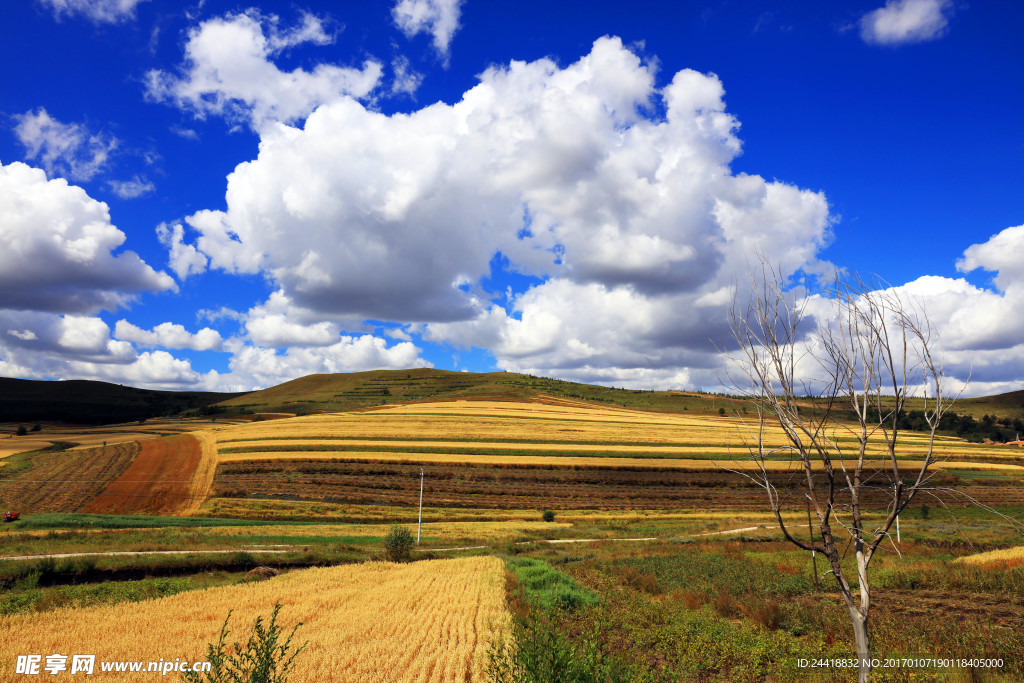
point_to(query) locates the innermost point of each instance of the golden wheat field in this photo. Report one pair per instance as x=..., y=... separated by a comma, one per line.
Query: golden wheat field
x=1004, y=555
x=426, y=621
x=467, y=430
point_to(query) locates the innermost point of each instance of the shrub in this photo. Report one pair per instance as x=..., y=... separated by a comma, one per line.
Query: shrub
x=398, y=544
x=36, y=427
x=263, y=658
x=22, y=431
x=548, y=516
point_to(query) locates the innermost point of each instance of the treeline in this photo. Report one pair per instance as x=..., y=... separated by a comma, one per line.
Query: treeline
x=87, y=402
x=998, y=429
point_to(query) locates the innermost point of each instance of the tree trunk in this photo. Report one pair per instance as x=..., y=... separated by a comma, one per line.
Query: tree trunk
x=860, y=635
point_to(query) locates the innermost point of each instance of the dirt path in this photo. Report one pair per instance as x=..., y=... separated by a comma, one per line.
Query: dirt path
x=202, y=480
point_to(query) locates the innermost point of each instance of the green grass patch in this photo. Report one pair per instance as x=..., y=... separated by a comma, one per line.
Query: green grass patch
x=546, y=586
x=26, y=596
x=57, y=520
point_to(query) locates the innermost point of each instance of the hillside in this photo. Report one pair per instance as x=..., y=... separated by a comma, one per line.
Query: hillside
x=89, y=402
x=348, y=391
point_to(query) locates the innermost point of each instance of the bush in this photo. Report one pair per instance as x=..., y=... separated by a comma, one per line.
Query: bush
x=263, y=659
x=22, y=431
x=398, y=544
x=548, y=516
x=36, y=427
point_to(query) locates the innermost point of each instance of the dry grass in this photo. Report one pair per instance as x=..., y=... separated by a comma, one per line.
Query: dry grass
x=1004, y=557
x=426, y=621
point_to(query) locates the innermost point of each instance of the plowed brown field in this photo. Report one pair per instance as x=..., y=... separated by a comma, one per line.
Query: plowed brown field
x=159, y=481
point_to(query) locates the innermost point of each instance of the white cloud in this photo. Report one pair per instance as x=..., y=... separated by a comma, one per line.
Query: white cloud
x=183, y=258
x=229, y=72
x=277, y=331
x=1002, y=253
x=99, y=11
x=405, y=81
x=265, y=367
x=58, y=249
x=131, y=189
x=906, y=21
x=563, y=170
x=43, y=339
x=439, y=18
x=64, y=149
x=170, y=336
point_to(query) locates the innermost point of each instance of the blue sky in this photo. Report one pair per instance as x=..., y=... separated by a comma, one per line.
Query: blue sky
x=226, y=196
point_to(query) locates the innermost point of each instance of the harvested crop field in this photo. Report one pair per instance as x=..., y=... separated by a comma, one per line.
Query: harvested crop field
x=62, y=481
x=515, y=429
x=160, y=479
x=426, y=621
x=500, y=485
x=559, y=455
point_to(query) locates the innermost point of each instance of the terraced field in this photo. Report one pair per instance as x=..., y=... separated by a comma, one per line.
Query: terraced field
x=557, y=454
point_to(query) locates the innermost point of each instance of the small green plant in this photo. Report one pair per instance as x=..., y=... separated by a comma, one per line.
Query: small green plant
x=548, y=516
x=263, y=658
x=398, y=544
x=22, y=431
x=925, y=510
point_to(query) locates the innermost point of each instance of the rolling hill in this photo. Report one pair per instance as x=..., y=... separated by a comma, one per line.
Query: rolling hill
x=90, y=402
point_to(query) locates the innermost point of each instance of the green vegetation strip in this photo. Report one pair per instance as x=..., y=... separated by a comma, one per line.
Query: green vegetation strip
x=54, y=520
x=546, y=586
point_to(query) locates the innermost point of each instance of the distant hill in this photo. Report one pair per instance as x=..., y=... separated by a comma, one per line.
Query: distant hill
x=348, y=391
x=89, y=402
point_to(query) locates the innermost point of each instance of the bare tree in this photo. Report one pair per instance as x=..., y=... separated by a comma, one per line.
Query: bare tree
x=839, y=427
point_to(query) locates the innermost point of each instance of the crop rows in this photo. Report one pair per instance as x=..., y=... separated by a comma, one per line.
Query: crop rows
x=426, y=621
x=485, y=486
x=63, y=481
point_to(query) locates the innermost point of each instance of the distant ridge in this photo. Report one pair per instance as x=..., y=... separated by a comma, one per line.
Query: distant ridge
x=349, y=391
x=91, y=402
x=83, y=401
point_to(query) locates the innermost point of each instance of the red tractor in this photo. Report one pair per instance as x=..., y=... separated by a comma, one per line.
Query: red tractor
x=11, y=516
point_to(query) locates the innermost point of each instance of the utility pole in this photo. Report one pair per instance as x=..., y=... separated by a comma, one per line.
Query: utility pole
x=419, y=526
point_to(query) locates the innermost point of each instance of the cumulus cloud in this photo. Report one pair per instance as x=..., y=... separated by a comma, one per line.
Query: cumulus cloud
x=439, y=18
x=229, y=71
x=169, y=335
x=567, y=172
x=266, y=367
x=182, y=258
x=42, y=339
x=906, y=21
x=58, y=249
x=64, y=149
x=131, y=189
x=99, y=11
